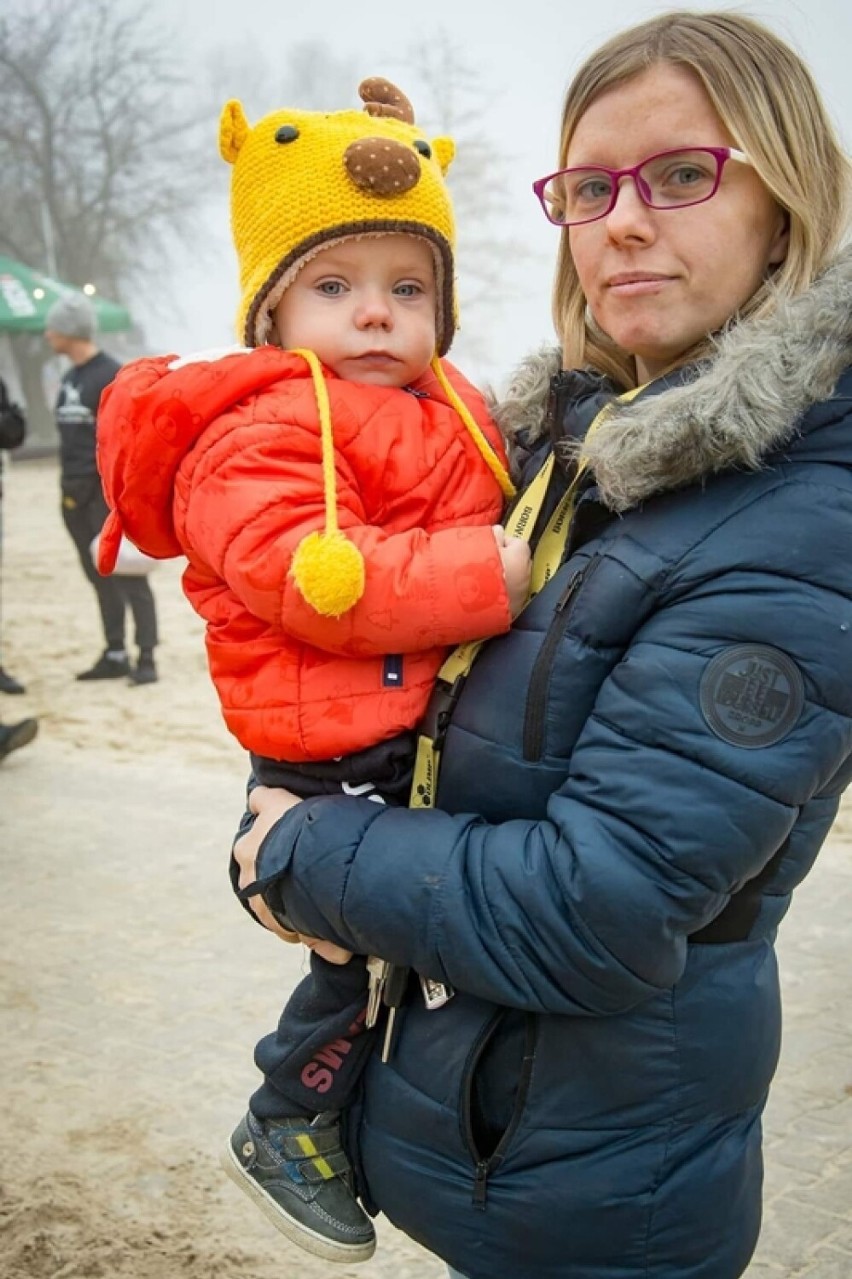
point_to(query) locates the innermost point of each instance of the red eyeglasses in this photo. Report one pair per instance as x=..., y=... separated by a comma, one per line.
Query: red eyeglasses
x=668, y=180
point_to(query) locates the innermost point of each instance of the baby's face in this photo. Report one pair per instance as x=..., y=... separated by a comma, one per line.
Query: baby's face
x=366, y=308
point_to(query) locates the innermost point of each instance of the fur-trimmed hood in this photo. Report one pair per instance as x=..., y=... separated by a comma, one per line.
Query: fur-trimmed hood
x=742, y=403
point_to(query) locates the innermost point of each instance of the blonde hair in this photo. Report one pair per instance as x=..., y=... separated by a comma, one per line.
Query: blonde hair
x=768, y=101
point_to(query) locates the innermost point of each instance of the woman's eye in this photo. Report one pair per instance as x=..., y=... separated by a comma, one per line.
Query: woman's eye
x=686, y=175
x=593, y=190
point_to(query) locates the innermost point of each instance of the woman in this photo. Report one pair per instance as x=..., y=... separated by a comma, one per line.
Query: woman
x=636, y=778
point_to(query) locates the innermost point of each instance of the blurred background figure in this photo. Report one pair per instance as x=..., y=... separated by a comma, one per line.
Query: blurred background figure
x=13, y=736
x=69, y=330
x=13, y=429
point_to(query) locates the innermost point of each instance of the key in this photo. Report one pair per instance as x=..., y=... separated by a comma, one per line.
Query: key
x=396, y=985
x=435, y=993
x=377, y=970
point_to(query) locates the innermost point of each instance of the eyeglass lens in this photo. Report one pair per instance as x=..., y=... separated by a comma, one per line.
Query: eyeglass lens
x=664, y=182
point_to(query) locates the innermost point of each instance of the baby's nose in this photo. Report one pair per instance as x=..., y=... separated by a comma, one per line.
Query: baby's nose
x=373, y=311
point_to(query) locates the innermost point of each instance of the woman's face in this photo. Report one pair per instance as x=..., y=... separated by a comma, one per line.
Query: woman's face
x=658, y=281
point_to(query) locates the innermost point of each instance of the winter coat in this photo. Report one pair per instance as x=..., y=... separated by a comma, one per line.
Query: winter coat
x=220, y=460
x=634, y=781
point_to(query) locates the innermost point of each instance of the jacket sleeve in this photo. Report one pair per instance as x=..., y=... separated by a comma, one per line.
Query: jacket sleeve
x=660, y=820
x=421, y=589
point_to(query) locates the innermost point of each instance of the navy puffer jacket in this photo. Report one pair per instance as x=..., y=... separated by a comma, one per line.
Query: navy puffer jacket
x=635, y=780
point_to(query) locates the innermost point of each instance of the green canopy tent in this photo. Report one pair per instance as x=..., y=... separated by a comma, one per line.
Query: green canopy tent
x=26, y=296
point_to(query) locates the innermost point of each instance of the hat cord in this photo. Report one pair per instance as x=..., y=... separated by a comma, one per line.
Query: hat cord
x=491, y=459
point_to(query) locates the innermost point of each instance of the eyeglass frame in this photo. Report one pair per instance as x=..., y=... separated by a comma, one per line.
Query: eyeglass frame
x=720, y=154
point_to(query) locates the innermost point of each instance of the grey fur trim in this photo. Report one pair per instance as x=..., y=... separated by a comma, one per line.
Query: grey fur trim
x=744, y=402
x=522, y=406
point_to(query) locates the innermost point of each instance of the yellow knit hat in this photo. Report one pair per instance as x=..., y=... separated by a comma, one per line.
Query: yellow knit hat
x=303, y=180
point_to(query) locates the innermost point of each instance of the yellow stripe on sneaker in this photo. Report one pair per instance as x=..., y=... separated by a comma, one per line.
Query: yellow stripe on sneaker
x=322, y=1165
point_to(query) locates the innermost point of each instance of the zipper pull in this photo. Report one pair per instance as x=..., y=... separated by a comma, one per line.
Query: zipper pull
x=479, y=1184
x=575, y=582
x=573, y=585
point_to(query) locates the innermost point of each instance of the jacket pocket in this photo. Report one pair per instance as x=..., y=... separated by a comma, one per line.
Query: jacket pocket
x=486, y=1162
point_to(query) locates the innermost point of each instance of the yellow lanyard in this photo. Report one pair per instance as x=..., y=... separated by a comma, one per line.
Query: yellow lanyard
x=457, y=666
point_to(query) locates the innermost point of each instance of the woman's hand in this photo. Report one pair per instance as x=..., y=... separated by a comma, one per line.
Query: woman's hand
x=269, y=805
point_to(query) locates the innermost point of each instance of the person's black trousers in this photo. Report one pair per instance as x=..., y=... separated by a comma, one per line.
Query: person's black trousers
x=84, y=512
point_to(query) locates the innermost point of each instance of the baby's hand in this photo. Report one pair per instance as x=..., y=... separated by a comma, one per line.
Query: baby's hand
x=515, y=555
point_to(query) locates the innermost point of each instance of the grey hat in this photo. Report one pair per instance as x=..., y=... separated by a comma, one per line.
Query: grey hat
x=73, y=316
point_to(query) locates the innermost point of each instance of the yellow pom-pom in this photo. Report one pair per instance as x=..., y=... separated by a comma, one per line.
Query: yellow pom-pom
x=329, y=571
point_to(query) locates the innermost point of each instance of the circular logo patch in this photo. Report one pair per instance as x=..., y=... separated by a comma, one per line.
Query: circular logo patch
x=752, y=695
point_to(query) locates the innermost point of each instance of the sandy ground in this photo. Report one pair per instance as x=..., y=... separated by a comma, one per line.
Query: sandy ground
x=133, y=988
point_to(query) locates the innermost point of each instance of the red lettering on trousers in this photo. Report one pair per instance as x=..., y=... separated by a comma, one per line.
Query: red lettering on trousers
x=313, y=1076
x=318, y=1074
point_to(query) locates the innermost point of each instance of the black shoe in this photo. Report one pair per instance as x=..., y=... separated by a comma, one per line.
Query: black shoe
x=145, y=673
x=8, y=684
x=13, y=736
x=107, y=667
x=297, y=1174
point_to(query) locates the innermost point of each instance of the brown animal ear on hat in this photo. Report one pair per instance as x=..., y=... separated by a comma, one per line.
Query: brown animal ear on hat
x=233, y=130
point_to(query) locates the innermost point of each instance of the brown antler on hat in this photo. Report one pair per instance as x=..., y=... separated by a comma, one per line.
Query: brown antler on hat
x=380, y=97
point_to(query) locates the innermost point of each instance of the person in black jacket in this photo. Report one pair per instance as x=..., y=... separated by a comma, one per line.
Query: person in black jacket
x=13, y=430
x=635, y=779
x=69, y=330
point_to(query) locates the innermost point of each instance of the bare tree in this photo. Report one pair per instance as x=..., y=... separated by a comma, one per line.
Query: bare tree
x=98, y=163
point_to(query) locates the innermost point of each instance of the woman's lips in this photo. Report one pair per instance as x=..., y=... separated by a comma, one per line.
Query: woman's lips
x=635, y=284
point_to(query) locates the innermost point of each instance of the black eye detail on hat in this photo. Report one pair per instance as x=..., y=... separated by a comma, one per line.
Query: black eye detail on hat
x=287, y=133
x=423, y=148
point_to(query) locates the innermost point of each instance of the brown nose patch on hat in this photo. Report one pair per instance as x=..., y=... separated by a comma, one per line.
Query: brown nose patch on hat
x=382, y=166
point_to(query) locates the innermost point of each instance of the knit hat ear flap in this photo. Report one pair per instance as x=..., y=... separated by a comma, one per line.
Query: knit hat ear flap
x=327, y=568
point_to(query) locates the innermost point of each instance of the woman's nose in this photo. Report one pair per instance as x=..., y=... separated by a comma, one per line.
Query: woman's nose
x=630, y=217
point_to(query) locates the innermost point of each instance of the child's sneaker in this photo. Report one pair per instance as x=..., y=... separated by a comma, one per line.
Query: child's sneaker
x=296, y=1172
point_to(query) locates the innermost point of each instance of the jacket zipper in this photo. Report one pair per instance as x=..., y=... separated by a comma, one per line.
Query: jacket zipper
x=484, y=1167
x=533, y=742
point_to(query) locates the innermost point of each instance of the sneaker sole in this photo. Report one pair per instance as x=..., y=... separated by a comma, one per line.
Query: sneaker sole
x=297, y=1233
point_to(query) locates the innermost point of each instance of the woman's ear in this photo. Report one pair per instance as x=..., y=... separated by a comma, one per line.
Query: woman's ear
x=780, y=243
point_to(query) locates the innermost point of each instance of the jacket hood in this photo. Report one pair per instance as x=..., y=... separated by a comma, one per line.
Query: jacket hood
x=734, y=409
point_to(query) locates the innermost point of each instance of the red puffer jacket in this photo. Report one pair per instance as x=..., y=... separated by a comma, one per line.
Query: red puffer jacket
x=220, y=460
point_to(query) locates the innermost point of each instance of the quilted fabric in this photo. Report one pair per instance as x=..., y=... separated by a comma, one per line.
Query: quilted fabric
x=220, y=460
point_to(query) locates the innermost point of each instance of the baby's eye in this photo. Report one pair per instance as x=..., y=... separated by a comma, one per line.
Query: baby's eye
x=408, y=289
x=330, y=288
